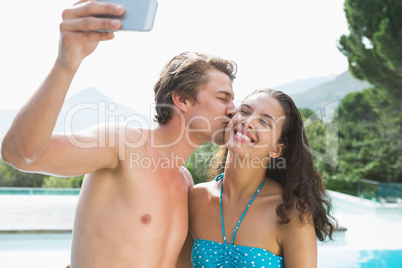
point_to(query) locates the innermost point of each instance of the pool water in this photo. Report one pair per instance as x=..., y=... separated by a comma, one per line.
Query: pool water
x=48, y=250
x=47, y=241
x=38, y=191
x=360, y=259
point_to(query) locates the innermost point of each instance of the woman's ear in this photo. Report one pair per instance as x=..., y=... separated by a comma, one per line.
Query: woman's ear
x=277, y=151
x=180, y=102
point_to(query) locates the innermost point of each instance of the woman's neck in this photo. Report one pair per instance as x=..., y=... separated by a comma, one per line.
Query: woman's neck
x=241, y=178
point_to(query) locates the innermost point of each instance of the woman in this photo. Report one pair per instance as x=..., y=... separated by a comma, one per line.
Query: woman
x=267, y=205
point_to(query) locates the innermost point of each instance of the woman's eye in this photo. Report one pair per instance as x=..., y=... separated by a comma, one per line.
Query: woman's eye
x=244, y=112
x=265, y=122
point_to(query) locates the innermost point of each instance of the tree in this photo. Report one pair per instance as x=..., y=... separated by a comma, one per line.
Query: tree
x=370, y=138
x=374, y=45
x=198, y=162
x=11, y=177
x=356, y=107
x=60, y=182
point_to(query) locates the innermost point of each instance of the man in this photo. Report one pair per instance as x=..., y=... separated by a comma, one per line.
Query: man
x=132, y=210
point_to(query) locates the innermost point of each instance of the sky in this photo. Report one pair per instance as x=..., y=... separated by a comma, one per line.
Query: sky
x=273, y=43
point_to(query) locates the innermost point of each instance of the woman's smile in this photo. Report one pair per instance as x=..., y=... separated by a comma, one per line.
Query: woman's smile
x=243, y=136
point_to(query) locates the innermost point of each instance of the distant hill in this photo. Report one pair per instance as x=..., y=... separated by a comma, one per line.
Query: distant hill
x=328, y=92
x=85, y=109
x=304, y=84
x=89, y=106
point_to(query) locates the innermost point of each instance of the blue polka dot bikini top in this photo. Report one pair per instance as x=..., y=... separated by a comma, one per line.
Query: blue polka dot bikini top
x=210, y=254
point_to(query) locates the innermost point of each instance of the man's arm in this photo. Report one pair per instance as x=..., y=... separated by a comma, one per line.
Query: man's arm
x=29, y=143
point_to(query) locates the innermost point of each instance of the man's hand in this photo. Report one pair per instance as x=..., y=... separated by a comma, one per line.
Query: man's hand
x=78, y=36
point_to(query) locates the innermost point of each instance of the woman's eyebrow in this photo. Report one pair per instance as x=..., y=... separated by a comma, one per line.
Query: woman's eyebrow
x=264, y=114
x=269, y=116
x=248, y=106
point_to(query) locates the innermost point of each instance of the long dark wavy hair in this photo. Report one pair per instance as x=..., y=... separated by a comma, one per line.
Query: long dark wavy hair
x=301, y=182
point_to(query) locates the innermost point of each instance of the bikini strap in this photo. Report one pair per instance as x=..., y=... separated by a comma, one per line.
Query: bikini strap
x=242, y=216
x=219, y=177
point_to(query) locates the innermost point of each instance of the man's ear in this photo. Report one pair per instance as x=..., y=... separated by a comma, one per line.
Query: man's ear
x=277, y=151
x=180, y=102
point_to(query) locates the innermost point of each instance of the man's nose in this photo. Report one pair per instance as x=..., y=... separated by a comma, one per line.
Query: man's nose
x=231, y=110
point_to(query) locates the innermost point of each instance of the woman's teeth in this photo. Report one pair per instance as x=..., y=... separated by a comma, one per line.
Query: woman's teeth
x=243, y=136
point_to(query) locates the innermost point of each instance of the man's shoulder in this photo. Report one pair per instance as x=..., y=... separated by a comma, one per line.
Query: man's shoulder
x=131, y=142
x=124, y=132
x=132, y=132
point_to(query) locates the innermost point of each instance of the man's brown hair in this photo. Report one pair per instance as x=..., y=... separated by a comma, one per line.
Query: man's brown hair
x=185, y=74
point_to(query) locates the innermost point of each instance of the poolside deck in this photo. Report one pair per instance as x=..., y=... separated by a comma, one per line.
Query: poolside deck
x=36, y=213
x=370, y=226
x=42, y=214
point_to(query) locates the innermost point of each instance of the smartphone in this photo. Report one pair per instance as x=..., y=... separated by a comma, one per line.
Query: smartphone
x=139, y=15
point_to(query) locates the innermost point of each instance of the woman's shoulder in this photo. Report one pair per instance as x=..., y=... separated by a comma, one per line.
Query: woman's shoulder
x=202, y=189
x=271, y=193
x=296, y=216
x=201, y=197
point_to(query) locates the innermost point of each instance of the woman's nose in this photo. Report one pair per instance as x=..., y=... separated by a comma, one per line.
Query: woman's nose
x=248, y=122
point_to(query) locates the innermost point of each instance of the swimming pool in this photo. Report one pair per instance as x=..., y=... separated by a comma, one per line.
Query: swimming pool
x=50, y=250
x=360, y=259
x=372, y=240
x=35, y=241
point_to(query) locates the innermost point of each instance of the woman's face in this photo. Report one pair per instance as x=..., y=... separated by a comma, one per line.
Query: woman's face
x=256, y=127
